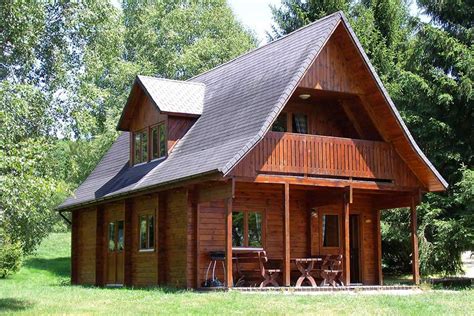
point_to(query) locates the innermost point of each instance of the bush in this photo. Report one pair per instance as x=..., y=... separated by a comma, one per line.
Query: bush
x=11, y=256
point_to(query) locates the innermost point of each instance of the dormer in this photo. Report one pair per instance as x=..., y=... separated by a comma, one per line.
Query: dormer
x=158, y=113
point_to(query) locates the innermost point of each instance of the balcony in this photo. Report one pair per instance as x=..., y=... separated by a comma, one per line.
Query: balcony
x=301, y=154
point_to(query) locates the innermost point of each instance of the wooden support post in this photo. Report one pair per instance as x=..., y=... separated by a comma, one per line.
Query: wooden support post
x=74, y=249
x=286, y=237
x=347, y=254
x=378, y=233
x=228, y=245
x=100, y=250
x=414, y=243
x=128, y=243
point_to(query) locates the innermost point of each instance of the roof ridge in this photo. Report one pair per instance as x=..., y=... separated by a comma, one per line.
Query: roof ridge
x=172, y=80
x=341, y=16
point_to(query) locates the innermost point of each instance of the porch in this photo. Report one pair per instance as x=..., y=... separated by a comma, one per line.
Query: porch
x=290, y=222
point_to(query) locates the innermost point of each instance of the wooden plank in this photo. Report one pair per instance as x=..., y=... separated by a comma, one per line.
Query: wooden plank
x=414, y=243
x=286, y=236
x=228, y=245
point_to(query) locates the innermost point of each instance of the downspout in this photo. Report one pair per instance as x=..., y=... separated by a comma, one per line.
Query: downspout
x=65, y=218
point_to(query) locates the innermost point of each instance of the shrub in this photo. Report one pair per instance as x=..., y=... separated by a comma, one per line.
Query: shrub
x=11, y=256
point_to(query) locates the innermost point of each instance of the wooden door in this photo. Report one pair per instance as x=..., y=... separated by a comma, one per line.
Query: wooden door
x=115, y=251
x=354, y=242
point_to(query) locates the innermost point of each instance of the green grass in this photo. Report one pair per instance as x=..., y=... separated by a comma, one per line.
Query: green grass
x=41, y=287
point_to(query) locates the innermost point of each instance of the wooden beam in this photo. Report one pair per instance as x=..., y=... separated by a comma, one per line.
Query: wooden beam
x=228, y=245
x=198, y=246
x=347, y=261
x=128, y=243
x=414, y=243
x=100, y=250
x=325, y=182
x=286, y=237
x=378, y=234
x=74, y=247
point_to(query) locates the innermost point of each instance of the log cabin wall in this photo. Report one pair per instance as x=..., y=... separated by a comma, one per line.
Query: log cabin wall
x=210, y=227
x=176, y=236
x=145, y=114
x=144, y=267
x=84, y=246
x=178, y=126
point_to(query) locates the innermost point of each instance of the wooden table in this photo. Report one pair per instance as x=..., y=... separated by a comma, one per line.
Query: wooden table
x=305, y=270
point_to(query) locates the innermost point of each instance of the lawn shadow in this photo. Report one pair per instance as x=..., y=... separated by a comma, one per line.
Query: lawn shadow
x=14, y=304
x=58, y=266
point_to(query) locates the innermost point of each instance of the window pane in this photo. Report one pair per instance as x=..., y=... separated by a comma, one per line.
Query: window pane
x=151, y=232
x=154, y=142
x=143, y=236
x=300, y=123
x=162, y=140
x=330, y=231
x=144, y=146
x=255, y=229
x=112, y=236
x=136, y=146
x=120, y=235
x=280, y=123
x=237, y=229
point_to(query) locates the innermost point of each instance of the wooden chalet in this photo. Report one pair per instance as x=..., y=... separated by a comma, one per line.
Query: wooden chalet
x=284, y=157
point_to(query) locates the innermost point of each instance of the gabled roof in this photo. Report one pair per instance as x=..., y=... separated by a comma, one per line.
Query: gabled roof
x=242, y=98
x=169, y=96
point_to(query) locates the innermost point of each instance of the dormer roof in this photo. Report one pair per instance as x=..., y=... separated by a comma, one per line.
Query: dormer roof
x=182, y=98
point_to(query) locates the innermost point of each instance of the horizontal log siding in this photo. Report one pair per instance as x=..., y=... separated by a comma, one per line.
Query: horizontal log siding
x=86, y=246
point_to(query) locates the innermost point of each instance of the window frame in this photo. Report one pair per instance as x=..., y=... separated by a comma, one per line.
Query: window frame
x=148, y=218
x=134, y=145
x=339, y=225
x=246, y=227
x=152, y=145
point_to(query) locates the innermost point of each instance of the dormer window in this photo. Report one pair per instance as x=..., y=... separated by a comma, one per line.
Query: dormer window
x=158, y=141
x=140, y=145
x=150, y=143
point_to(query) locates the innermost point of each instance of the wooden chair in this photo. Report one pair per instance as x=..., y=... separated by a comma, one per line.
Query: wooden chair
x=252, y=267
x=331, y=271
x=269, y=275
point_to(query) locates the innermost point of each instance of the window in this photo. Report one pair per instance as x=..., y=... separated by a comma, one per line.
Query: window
x=300, y=123
x=112, y=236
x=147, y=232
x=330, y=226
x=140, y=145
x=247, y=229
x=158, y=141
x=280, y=124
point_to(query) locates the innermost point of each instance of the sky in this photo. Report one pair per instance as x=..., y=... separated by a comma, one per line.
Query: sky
x=257, y=16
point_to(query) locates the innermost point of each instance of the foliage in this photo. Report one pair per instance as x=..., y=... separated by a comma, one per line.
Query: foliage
x=11, y=256
x=428, y=70
x=66, y=68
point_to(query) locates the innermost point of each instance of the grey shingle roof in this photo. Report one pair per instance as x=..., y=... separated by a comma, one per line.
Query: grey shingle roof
x=241, y=100
x=174, y=96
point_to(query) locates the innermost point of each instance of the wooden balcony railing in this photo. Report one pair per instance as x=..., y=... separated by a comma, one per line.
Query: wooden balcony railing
x=323, y=155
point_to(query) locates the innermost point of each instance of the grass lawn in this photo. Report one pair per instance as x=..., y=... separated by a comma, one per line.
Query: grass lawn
x=42, y=287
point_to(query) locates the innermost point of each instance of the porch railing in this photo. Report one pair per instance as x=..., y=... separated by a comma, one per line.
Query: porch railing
x=324, y=155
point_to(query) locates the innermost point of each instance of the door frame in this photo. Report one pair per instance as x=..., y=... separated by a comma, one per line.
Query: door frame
x=114, y=213
x=360, y=243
